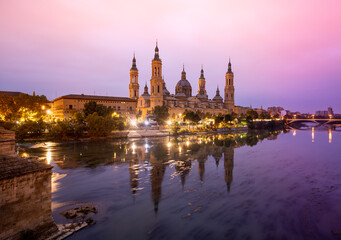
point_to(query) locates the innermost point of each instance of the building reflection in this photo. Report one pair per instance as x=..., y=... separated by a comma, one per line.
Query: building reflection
x=156, y=155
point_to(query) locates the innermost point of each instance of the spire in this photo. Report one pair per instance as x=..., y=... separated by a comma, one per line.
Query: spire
x=156, y=55
x=202, y=73
x=183, y=74
x=145, y=89
x=217, y=92
x=134, y=63
x=229, y=67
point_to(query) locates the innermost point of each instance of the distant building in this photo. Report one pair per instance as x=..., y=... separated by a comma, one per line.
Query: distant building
x=182, y=99
x=275, y=110
x=10, y=93
x=325, y=114
x=239, y=110
x=64, y=106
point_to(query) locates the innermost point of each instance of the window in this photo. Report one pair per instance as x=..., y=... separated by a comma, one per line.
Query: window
x=227, y=96
x=158, y=88
x=130, y=108
x=231, y=96
x=229, y=81
x=135, y=93
x=70, y=106
x=114, y=107
x=119, y=108
x=158, y=71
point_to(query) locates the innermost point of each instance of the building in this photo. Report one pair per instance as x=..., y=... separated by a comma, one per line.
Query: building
x=275, y=110
x=64, y=106
x=325, y=114
x=10, y=93
x=182, y=99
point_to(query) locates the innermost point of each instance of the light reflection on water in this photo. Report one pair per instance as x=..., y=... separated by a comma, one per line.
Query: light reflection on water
x=237, y=186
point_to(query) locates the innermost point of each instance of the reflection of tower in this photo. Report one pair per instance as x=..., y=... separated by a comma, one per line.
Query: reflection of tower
x=134, y=83
x=156, y=175
x=217, y=156
x=183, y=167
x=228, y=166
x=133, y=174
x=201, y=168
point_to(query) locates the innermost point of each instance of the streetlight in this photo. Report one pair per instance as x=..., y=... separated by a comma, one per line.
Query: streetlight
x=330, y=116
x=313, y=115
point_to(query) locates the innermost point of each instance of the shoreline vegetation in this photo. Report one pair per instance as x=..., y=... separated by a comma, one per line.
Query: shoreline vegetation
x=97, y=121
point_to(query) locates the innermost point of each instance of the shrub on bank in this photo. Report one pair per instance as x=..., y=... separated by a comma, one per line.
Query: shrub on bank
x=30, y=129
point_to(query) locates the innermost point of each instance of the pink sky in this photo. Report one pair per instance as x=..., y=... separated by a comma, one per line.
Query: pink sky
x=284, y=53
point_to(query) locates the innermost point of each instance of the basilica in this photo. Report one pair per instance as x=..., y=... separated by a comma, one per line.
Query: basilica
x=182, y=99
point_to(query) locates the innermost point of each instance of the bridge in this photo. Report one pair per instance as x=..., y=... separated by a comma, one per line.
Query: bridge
x=319, y=122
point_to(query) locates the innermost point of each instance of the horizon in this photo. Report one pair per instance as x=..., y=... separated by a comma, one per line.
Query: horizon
x=282, y=54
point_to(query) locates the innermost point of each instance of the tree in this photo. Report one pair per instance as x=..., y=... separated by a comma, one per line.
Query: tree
x=23, y=107
x=92, y=107
x=161, y=114
x=252, y=113
x=218, y=119
x=191, y=116
x=99, y=126
x=176, y=128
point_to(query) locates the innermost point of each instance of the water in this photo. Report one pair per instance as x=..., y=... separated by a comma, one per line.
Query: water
x=255, y=186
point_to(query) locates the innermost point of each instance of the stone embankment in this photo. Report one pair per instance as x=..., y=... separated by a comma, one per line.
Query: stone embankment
x=25, y=194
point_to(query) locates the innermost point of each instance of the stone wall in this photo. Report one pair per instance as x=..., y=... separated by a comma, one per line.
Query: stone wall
x=25, y=206
x=7, y=142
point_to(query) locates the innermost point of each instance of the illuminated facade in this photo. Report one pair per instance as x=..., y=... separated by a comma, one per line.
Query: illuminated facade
x=65, y=106
x=182, y=99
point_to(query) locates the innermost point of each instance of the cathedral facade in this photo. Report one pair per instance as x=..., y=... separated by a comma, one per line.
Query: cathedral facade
x=182, y=99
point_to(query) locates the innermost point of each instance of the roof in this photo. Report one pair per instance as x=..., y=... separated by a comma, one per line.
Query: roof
x=10, y=93
x=15, y=166
x=183, y=83
x=94, y=97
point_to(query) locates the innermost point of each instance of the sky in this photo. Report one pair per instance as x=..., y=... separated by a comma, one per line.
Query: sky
x=283, y=53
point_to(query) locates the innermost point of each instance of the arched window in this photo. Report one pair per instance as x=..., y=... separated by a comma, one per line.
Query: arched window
x=158, y=71
x=155, y=71
x=135, y=93
x=229, y=81
x=158, y=88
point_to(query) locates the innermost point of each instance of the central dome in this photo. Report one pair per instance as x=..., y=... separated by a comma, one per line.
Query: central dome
x=183, y=87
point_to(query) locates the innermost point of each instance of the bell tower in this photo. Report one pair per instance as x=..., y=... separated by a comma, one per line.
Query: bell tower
x=156, y=81
x=134, y=84
x=202, y=83
x=229, y=88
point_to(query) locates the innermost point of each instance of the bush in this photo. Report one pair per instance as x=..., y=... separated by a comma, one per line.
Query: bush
x=30, y=129
x=99, y=126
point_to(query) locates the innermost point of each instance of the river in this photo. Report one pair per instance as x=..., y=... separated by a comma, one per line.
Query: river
x=235, y=186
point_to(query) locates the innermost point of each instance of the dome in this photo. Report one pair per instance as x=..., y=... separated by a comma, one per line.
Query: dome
x=183, y=83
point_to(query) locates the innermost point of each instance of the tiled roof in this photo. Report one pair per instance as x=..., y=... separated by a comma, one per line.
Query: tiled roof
x=95, y=97
x=15, y=166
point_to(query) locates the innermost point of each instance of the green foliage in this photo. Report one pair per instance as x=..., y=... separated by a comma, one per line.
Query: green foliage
x=66, y=129
x=99, y=126
x=92, y=107
x=119, y=123
x=218, y=119
x=191, y=116
x=22, y=107
x=265, y=115
x=176, y=128
x=30, y=129
x=252, y=114
x=161, y=114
